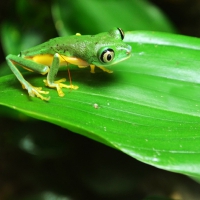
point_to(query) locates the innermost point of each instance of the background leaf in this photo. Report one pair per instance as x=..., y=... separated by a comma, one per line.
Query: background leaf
x=73, y=16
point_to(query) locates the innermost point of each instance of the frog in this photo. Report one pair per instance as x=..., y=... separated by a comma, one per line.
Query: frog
x=99, y=50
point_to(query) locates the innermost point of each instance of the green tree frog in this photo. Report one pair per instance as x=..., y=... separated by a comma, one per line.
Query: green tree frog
x=98, y=50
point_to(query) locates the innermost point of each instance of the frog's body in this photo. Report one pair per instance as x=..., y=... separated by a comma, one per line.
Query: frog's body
x=88, y=50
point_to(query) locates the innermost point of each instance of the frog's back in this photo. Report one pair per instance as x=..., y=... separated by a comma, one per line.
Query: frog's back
x=59, y=45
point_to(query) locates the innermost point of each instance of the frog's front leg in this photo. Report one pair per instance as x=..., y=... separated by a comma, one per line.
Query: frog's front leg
x=92, y=69
x=50, y=82
x=14, y=60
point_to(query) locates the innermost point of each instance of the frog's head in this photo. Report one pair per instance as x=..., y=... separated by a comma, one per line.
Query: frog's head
x=112, y=49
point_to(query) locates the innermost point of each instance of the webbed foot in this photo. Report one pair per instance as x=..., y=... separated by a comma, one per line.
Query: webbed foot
x=35, y=91
x=59, y=85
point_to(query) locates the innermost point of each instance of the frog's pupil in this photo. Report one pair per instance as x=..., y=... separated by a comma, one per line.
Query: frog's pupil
x=109, y=57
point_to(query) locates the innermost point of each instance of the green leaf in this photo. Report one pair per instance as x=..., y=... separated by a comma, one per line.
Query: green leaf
x=148, y=108
x=13, y=41
x=98, y=16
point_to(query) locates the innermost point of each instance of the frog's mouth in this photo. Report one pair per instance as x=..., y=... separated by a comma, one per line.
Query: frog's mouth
x=123, y=59
x=115, y=62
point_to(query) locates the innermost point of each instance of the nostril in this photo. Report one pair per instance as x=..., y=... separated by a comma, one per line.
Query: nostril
x=128, y=50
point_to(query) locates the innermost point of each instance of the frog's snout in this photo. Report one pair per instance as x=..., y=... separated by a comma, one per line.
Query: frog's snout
x=129, y=49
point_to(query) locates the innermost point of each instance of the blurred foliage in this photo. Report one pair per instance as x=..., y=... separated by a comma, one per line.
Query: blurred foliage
x=39, y=160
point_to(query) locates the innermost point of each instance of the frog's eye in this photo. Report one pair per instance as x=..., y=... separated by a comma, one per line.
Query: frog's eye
x=107, y=56
x=117, y=33
x=121, y=33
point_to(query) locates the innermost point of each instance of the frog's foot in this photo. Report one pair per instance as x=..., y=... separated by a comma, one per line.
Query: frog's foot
x=92, y=67
x=59, y=85
x=35, y=91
